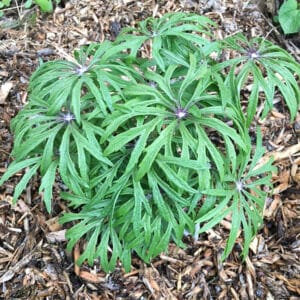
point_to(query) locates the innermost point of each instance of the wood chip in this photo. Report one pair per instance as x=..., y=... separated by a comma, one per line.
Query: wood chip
x=4, y=91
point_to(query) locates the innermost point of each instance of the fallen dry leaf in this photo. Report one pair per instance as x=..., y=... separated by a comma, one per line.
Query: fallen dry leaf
x=271, y=208
x=277, y=156
x=90, y=277
x=56, y=236
x=4, y=91
x=53, y=224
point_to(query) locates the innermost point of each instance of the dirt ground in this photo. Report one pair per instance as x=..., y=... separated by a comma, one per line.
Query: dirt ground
x=33, y=260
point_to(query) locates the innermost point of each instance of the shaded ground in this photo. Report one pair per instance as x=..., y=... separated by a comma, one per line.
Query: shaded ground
x=33, y=260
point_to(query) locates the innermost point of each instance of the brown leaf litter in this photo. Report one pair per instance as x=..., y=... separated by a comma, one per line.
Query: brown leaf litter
x=33, y=260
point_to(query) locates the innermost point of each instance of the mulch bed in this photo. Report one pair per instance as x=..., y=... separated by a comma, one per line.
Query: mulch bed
x=33, y=260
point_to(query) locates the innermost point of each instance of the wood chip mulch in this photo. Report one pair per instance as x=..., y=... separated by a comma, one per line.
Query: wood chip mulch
x=33, y=260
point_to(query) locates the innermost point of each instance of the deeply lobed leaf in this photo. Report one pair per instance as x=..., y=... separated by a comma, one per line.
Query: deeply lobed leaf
x=150, y=148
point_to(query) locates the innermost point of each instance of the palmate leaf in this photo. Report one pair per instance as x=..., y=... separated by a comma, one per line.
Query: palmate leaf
x=159, y=235
x=194, y=111
x=167, y=144
x=47, y=184
x=266, y=85
x=173, y=192
x=174, y=178
x=159, y=31
x=148, y=148
x=117, y=142
x=290, y=94
x=65, y=83
x=90, y=249
x=205, y=176
x=89, y=145
x=15, y=167
x=252, y=103
x=248, y=234
x=160, y=246
x=49, y=151
x=224, y=129
x=164, y=82
x=138, y=150
x=163, y=207
x=50, y=71
x=176, y=59
x=82, y=162
x=67, y=168
x=186, y=163
x=235, y=226
x=85, y=148
x=31, y=163
x=37, y=137
x=110, y=236
x=74, y=201
x=153, y=149
x=140, y=201
x=213, y=151
x=264, y=61
x=207, y=205
x=27, y=118
x=24, y=181
x=234, y=196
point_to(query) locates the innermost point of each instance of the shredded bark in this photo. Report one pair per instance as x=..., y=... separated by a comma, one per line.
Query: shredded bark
x=33, y=261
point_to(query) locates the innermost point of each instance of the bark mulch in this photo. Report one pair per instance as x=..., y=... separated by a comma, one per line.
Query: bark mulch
x=33, y=260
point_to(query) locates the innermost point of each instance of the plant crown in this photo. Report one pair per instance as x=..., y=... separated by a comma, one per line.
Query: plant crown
x=150, y=137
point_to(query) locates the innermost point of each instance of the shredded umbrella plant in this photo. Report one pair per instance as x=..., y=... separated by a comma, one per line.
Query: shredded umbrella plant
x=152, y=147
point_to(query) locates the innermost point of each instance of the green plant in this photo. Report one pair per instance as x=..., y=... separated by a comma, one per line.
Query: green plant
x=241, y=195
x=45, y=5
x=289, y=16
x=270, y=68
x=4, y=3
x=150, y=146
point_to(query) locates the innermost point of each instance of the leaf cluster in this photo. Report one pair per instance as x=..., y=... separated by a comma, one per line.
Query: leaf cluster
x=151, y=146
x=289, y=16
x=44, y=5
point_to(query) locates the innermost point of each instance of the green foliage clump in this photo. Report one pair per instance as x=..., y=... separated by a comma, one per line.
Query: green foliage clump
x=4, y=3
x=44, y=5
x=151, y=146
x=289, y=16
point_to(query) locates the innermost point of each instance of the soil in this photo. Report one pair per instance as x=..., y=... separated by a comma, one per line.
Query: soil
x=34, y=263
